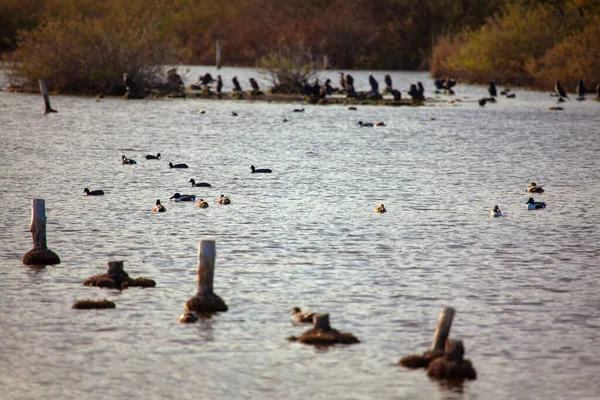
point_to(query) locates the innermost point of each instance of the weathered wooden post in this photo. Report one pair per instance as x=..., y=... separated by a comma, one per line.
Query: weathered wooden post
x=321, y=321
x=205, y=301
x=40, y=254
x=44, y=92
x=443, y=329
x=116, y=278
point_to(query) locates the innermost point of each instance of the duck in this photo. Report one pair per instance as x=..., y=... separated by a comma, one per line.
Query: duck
x=364, y=124
x=151, y=157
x=89, y=192
x=159, y=207
x=234, y=114
x=171, y=165
x=299, y=316
x=535, y=205
x=224, y=200
x=199, y=184
x=381, y=123
x=495, y=212
x=183, y=197
x=202, y=203
x=260, y=170
x=129, y=161
x=380, y=209
x=533, y=188
x=298, y=109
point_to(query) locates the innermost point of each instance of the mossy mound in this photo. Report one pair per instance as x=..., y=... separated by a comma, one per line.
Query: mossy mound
x=320, y=337
x=106, y=281
x=93, y=305
x=41, y=257
x=421, y=361
x=442, y=368
x=206, y=303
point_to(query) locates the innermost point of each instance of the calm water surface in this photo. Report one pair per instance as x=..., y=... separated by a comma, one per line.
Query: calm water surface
x=525, y=286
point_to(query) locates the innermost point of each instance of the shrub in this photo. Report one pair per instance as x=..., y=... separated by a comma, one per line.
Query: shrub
x=288, y=68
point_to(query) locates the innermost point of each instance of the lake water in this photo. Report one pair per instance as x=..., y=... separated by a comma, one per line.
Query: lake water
x=525, y=286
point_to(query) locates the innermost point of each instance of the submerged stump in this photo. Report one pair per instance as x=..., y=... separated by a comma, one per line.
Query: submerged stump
x=452, y=365
x=93, y=305
x=205, y=301
x=116, y=278
x=323, y=334
x=40, y=254
x=437, y=345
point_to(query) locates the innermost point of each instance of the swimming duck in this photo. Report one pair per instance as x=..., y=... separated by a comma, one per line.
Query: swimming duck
x=224, y=200
x=202, y=204
x=171, y=165
x=533, y=188
x=199, y=184
x=300, y=316
x=159, y=207
x=535, y=205
x=183, y=197
x=365, y=124
x=298, y=109
x=380, y=209
x=234, y=114
x=260, y=170
x=125, y=160
x=151, y=157
x=495, y=212
x=89, y=192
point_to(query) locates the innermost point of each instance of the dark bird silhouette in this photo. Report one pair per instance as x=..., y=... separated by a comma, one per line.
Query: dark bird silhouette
x=219, y=85
x=128, y=161
x=421, y=90
x=89, y=192
x=492, y=89
x=374, y=84
x=397, y=95
x=298, y=109
x=560, y=91
x=236, y=84
x=254, y=84
x=349, y=80
x=440, y=84
x=328, y=88
x=388, y=82
x=234, y=114
x=129, y=83
x=199, y=184
x=414, y=93
x=260, y=170
x=580, y=89
x=171, y=165
x=482, y=102
x=206, y=79
x=151, y=157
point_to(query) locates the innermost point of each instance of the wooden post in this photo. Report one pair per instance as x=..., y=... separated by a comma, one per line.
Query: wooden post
x=40, y=254
x=44, y=92
x=443, y=329
x=115, y=269
x=321, y=321
x=206, y=266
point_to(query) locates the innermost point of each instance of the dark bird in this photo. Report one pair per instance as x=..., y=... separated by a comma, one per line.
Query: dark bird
x=511, y=96
x=421, y=90
x=492, y=89
x=89, y=192
x=559, y=90
x=298, y=109
x=151, y=157
x=397, y=95
x=374, y=84
x=260, y=170
x=440, y=84
x=349, y=80
x=254, y=84
x=505, y=92
x=206, y=79
x=183, y=197
x=482, y=102
x=365, y=124
x=580, y=90
x=234, y=114
x=129, y=83
x=414, y=93
x=342, y=81
x=171, y=165
x=199, y=184
x=388, y=82
x=535, y=205
x=219, y=85
x=159, y=207
x=128, y=161
x=236, y=84
x=328, y=88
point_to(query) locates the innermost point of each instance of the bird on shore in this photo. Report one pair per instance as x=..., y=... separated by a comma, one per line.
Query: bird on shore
x=300, y=316
x=374, y=84
x=560, y=91
x=151, y=157
x=199, y=184
x=580, y=90
x=202, y=204
x=533, y=188
x=495, y=212
x=535, y=205
x=129, y=83
x=254, y=84
x=492, y=89
x=89, y=192
x=159, y=207
x=388, y=82
x=260, y=170
x=396, y=94
x=219, y=85
x=224, y=200
x=171, y=165
x=127, y=161
x=183, y=197
x=415, y=94
x=236, y=84
x=482, y=102
x=380, y=209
